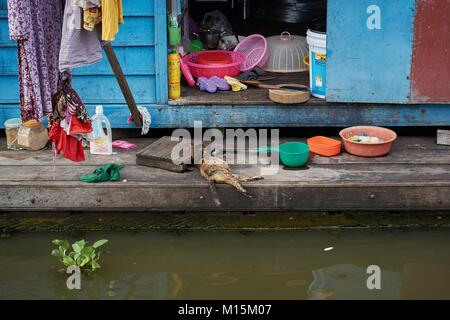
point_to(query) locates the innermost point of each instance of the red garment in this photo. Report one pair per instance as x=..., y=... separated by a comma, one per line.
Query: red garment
x=55, y=132
x=79, y=127
x=71, y=147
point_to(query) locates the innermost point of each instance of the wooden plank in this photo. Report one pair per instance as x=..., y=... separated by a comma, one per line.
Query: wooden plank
x=132, y=173
x=197, y=198
x=3, y=5
x=443, y=137
x=44, y=157
x=267, y=116
x=131, y=60
x=92, y=89
x=138, y=8
x=4, y=34
x=369, y=65
x=158, y=155
x=406, y=150
x=136, y=31
x=395, y=157
x=161, y=85
x=130, y=8
x=251, y=96
x=348, y=175
x=430, y=76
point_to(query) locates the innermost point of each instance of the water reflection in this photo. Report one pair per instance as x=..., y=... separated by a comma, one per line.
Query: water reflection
x=347, y=281
x=228, y=265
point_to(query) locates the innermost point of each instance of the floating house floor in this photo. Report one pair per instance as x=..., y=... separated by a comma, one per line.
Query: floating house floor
x=414, y=176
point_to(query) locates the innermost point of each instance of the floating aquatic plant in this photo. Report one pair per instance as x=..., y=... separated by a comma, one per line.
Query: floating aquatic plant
x=79, y=253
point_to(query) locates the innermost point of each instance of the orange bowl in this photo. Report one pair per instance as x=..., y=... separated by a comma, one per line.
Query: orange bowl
x=324, y=146
x=368, y=149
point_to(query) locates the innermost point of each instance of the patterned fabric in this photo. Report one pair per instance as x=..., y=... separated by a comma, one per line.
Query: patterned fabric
x=70, y=122
x=68, y=103
x=91, y=17
x=36, y=26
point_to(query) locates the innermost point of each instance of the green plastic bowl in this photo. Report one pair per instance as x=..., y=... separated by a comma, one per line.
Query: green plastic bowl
x=292, y=154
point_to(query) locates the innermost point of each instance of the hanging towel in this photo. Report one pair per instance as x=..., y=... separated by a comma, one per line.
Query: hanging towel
x=109, y=172
x=112, y=16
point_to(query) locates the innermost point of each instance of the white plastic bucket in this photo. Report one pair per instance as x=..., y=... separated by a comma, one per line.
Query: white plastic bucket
x=317, y=42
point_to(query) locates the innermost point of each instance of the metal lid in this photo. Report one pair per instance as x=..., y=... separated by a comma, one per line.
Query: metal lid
x=287, y=53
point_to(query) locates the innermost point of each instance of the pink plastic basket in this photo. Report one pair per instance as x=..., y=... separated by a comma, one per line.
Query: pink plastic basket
x=203, y=70
x=256, y=51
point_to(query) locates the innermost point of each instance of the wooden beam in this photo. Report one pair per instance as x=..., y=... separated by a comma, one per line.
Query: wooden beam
x=167, y=197
x=122, y=83
x=274, y=116
x=158, y=155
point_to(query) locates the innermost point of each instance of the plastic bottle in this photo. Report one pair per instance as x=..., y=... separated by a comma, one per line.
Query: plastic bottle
x=101, y=143
x=174, y=76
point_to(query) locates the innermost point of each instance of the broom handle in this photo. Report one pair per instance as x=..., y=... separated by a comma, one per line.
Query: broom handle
x=115, y=65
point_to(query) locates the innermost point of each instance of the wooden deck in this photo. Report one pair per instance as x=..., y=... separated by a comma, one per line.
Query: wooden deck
x=251, y=96
x=415, y=176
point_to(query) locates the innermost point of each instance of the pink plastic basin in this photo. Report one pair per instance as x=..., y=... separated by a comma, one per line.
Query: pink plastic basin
x=204, y=70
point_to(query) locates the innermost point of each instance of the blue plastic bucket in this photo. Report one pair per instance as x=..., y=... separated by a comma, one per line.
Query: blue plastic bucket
x=317, y=42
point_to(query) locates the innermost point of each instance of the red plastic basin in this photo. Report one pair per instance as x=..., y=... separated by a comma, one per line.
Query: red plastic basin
x=214, y=58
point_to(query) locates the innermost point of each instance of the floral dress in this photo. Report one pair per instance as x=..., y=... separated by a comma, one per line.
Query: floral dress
x=36, y=26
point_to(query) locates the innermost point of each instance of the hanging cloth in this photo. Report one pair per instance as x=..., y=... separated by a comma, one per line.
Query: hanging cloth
x=79, y=47
x=36, y=26
x=86, y=4
x=70, y=122
x=91, y=17
x=112, y=16
x=70, y=147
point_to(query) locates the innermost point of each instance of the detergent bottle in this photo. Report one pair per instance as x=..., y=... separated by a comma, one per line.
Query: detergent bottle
x=101, y=143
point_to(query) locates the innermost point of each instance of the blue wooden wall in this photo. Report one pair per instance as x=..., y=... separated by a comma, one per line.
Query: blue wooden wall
x=141, y=50
x=358, y=71
x=366, y=64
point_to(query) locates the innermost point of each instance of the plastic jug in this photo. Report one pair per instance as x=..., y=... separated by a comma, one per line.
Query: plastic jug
x=101, y=143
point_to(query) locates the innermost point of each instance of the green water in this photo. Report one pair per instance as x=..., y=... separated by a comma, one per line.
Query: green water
x=234, y=265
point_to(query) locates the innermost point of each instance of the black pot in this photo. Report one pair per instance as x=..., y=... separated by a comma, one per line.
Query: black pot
x=209, y=37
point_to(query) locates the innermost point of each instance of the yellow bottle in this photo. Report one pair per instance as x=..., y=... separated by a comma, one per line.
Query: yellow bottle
x=174, y=76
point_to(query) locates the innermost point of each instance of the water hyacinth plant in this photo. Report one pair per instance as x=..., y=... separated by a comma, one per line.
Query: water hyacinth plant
x=81, y=254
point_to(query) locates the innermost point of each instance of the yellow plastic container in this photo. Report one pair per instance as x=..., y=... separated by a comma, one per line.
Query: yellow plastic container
x=174, y=76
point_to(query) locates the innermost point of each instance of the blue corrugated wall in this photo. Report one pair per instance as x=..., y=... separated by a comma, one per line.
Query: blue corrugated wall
x=141, y=50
